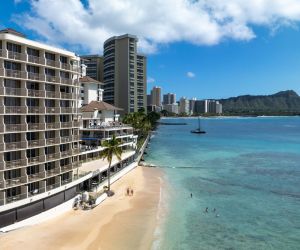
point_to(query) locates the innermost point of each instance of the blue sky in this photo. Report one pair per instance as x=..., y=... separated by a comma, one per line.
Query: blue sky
x=261, y=59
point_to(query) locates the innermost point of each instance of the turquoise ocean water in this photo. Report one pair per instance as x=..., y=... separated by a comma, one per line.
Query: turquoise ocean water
x=246, y=168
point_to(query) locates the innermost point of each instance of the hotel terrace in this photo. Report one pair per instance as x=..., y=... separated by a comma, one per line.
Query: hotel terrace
x=49, y=150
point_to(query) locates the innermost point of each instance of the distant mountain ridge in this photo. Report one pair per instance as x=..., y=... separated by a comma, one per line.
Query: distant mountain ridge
x=284, y=101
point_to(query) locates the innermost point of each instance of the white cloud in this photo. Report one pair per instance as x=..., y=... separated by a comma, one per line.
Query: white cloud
x=190, y=74
x=155, y=22
x=150, y=80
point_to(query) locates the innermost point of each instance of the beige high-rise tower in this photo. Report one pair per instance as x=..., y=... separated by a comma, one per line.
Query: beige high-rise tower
x=124, y=74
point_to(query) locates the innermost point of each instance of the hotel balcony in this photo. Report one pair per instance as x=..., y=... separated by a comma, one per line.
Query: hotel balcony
x=36, y=176
x=36, y=159
x=68, y=110
x=66, y=81
x=15, y=198
x=36, y=126
x=16, y=181
x=65, y=139
x=15, y=163
x=52, y=156
x=67, y=95
x=51, y=63
x=52, y=78
x=36, y=93
x=16, y=56
x=15, y=110
x=37, y=77
x=66, y=153
x=66, y=124
x=52, y=94
x=65, y=66
x=52, y=172
x=66, y=181
x=36, y=109
x=52, y=186
x=35, y=59
x=52, y=110
x=13, y=91
x=76, y=151
x=15, y=145
x=51, y=141
x=53, y=125
x=13, y=73
x=36, y=143
x=15, y=127
x=66, y=168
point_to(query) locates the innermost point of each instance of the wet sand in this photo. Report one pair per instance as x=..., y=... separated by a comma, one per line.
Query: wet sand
x=120, y=222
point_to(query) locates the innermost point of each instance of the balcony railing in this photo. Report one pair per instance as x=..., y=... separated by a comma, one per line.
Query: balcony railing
x=63, y=182
x=15, y=163
x=15, y=198
x=36, y=143
x=50, y=187
x=51, y=141
x=52, y=94
x=66, y=95
x=66, y=139
x=52, y=125
x=66, y=168
x=36, y=159
x=66, y=153
x=13, y=91
x=52, y=156
x=36, y=176
x=16, y=55
x=36, y=126
x=36, y=109
x=66, y=110
x=65, y=66
x=36, y=93
x=15, y=181
x=50, y=78
x=15, y=127
x=15, y=110
x=52, y=110
x=50, y=62
x=66, y=81
x=15, y=73
x=66, y=124
x=15, y=145
x=35, y=59
x=34, y=76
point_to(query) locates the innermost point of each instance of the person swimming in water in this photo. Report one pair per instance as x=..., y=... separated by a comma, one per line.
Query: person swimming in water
x=214, y=210
x=206, y=210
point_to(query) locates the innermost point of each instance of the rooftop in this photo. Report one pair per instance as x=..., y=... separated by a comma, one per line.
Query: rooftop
x=87, y=79
x=12, y=31
x=95, y=105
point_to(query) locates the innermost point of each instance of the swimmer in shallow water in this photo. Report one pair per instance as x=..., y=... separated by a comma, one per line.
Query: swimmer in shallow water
x=206, y=210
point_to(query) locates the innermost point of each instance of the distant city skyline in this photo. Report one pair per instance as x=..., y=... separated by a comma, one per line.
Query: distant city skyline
x=254, y=56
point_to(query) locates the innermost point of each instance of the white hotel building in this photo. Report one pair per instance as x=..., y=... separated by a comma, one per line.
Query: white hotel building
x=43, y=162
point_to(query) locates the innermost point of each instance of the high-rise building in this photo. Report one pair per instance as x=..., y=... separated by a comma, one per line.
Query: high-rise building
x=192, y=105
x=201, y=107
x=207, y=106
x=149, y=100
x=171, y=108
x=94, y=66
x=90, y=90
x=39, y=127
x=184, y=106
x=156, y=96
x=124, y=74
x=169, y=98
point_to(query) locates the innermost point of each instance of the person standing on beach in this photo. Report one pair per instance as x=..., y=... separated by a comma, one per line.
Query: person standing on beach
x=131, y=192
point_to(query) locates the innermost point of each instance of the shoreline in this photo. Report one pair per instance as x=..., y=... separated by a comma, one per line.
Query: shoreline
x=122, y=221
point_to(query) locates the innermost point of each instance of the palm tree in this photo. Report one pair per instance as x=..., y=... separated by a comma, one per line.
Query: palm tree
x=112, y=148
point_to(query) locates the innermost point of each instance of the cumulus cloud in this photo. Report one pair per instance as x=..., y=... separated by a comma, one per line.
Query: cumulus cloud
x=150, y=80
x=155, y=22
x=190, y=74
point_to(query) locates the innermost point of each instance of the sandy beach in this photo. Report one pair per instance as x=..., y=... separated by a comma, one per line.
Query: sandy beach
x=120, y=222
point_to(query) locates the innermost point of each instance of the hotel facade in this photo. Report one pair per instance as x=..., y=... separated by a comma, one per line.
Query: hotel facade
x=43, y=160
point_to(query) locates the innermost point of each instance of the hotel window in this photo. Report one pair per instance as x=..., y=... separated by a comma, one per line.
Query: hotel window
x=32, y=85
x=32, y=119
x=50, y=181
x=49, y=72
x=32, y=170
x=14, y=47
x=33, y=187
x=12, y=101
x=64, y=74
x=50, y=56
x=33, y=69
x=50, y=134
x=50, y=87
x=33, y=52
x=12, y=65
x=12, y=119
x=12, y=156
x=13, y=192
x=9, y=138
x=63, y=59
x=9, y=83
